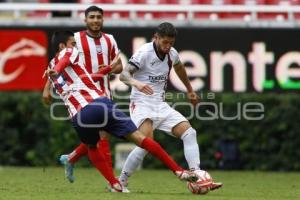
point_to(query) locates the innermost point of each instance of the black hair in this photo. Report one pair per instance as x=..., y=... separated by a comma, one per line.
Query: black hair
x=92, y=9
x=60, y=37
x=166, y=29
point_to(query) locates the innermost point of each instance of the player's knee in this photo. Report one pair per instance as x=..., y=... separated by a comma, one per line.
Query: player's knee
x=189, y=133
x=104, y=135
x=137, y=137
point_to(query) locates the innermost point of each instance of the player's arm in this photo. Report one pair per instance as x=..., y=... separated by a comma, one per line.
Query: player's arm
x=115, y=55
x=127, y=77
x=46, y=93
x=116, y=67
x=181, y=73
x=69, y=57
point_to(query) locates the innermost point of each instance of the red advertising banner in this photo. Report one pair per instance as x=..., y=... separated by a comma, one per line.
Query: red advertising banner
x=23, y=59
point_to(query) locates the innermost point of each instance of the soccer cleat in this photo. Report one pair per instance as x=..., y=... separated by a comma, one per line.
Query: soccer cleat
x=117, y=187
x=69, y=168
x=185, y=175
x=205, y=177
x=215, y=186
x=124, y=186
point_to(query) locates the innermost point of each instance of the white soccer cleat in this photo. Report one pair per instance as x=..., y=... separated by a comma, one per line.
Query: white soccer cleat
x=186, y=175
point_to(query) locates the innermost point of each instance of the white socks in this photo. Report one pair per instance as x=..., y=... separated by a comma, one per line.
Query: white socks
x=134, y=159
x=191, y=148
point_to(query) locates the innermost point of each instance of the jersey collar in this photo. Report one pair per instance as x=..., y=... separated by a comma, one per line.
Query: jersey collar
x=156, y=52
x=93, y=36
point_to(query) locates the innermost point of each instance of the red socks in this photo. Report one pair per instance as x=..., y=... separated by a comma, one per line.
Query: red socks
x=98, y=159
x=81, y=150
x=103, y=146
x=156, y=150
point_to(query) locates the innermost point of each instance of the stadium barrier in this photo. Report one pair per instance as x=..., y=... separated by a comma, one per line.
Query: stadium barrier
x=133, y=14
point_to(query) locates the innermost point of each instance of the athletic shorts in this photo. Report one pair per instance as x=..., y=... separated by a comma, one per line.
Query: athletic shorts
x=101, y=114
x=160, y=113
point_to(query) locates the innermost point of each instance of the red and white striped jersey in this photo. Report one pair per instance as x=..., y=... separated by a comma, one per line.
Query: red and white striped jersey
x=97, y=51
x=74, y=84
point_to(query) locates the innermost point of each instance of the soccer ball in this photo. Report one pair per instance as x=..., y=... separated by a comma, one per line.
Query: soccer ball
x=202, y=186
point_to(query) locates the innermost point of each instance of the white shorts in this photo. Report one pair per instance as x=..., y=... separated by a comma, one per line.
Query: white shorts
x=160, y=113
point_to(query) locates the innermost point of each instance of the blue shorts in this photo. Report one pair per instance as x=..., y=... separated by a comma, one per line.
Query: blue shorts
x=101, y=114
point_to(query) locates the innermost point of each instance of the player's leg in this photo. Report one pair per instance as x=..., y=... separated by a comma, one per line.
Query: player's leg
x=98, y=160
x=80, y=151
x=188, y=135
x=178, y=126
x=136, y=156
x=86, y=123
x=103, y=145
x=68, y=160
x=156, y=150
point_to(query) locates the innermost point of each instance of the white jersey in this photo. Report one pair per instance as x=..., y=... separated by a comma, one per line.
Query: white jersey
x=97, y=51
x=153, y=71
x=74, y=84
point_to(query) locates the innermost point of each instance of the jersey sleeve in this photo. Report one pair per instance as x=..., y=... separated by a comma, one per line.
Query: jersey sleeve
x=174, y=56
x=137, y=59
x=70, y=56
x=74, y=54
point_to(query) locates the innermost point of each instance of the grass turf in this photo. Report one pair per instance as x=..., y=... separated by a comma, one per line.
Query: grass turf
x=17, y=183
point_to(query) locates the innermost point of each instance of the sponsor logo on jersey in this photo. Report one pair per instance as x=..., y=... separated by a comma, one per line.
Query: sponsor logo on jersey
x=156, y=79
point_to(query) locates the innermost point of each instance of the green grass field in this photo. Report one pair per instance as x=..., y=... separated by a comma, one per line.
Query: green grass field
x=50, y=184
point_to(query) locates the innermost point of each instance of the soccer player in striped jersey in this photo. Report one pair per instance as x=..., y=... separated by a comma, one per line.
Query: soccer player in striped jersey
x=148, y=72
x=96, y=48
x=92, y=111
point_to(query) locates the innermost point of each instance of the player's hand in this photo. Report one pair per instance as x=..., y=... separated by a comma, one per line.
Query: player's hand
x=47, y=96
x=142, y=87
x=193, y=97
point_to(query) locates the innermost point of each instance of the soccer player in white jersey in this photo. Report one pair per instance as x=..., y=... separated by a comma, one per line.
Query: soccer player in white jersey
x=92, y=111
x=147, y=72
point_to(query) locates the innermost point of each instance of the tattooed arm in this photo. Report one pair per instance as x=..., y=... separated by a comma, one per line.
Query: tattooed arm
x=127, y=78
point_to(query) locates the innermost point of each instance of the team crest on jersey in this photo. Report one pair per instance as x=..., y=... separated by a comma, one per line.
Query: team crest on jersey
x=98, y=49
x=154, y=62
